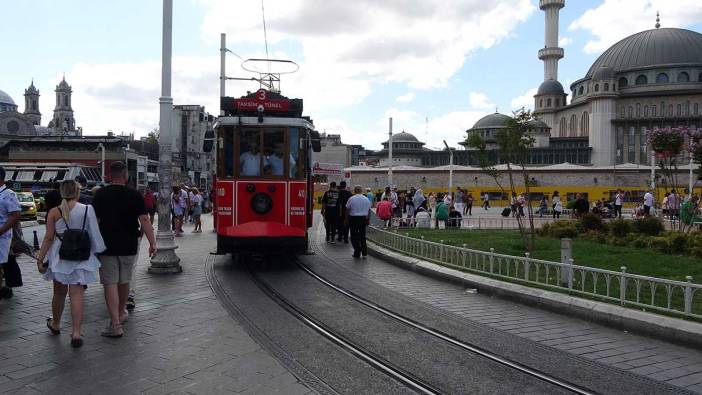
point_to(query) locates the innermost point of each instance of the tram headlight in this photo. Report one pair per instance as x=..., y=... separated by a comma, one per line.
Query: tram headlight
x=261, y=203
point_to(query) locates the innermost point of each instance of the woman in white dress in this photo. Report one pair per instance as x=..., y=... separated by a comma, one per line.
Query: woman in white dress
x=69, y=277
x=556, y=205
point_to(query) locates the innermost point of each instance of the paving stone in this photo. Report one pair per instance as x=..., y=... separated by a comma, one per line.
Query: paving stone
x=178, y=328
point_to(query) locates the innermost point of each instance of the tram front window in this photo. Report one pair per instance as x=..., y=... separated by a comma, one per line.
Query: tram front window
x=274, y=149
x=250, y=158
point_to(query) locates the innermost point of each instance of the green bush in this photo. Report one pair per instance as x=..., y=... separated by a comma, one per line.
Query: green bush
x=639, y=242
x=545, y=230
x=659, y=244
x=678, y=243
x=695, y=244
x=561, y=229
x=620, y=228
x=651, y=226
x=590, y=222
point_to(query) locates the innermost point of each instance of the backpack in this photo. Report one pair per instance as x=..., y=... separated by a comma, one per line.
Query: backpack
x=75, y=243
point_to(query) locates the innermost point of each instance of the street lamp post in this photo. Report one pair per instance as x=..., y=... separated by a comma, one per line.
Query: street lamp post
x=450, y=150
x=165, y=260
x=390, y=154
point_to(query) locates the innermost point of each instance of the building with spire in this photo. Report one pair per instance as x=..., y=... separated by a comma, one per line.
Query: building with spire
x=63, y=113
x=31, y=104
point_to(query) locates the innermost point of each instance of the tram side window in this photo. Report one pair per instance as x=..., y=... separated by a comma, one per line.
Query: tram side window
x=297, y=169
x=274, y=151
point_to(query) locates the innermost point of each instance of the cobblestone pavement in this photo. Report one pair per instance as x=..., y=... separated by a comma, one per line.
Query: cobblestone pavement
x=178, y=340
x=659, y=360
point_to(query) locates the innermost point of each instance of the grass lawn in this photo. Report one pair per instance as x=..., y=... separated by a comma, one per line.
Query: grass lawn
x=585, y=252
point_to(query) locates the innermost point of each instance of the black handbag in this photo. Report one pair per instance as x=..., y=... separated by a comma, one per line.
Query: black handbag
x=75, y=243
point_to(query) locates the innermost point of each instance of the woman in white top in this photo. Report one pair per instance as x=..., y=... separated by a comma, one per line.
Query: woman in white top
x=69, y=276
x=556, y=205
x=196, y=202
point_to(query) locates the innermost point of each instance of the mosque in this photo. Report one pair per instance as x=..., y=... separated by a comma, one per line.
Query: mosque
x=28, y=123
x=647, y=80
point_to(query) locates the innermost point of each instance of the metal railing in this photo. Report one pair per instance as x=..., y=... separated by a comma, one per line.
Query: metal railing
x=683, y=298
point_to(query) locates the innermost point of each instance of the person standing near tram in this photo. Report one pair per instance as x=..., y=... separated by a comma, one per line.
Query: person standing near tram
x=330, y=211
x=358, y=210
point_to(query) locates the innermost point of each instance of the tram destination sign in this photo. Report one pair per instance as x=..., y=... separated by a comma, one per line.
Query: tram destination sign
x=262, y=102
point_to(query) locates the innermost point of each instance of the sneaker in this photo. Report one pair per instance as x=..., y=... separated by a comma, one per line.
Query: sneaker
x=130, y=303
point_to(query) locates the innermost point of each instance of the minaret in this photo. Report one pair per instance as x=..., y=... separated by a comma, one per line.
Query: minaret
x=31, y=104
x=63, y=113
x=550, y=97
x=551, y=53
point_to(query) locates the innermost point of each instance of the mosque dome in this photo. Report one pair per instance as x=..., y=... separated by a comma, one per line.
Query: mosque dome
x=6, y=99
x=403, y=137
x=550, y=87
x=6, y=102
x=492, y=121
x=652, y=48
x=604, y=73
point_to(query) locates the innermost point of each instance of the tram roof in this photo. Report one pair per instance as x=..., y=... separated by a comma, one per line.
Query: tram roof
x=267, y=121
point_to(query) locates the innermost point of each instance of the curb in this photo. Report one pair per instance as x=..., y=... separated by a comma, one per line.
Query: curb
x=660, y=327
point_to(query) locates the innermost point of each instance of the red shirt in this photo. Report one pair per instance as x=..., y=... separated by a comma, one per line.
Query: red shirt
x=384, y=210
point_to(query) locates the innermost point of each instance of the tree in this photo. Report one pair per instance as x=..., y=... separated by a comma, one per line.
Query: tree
x=152, y=136
x=513, y=145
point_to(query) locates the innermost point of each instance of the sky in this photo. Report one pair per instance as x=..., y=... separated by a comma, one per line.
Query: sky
x=435, y=66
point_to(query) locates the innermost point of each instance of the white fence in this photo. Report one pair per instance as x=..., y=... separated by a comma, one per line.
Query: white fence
x=674, y=297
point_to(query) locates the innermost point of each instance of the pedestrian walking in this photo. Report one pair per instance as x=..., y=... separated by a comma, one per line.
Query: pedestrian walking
x=357, y=218
x=371, y=197
x=618, y=202
x=521, y=201
x=122, y=217
x=86, y=197
x=486, y=201
x=342, y=229
x=459, y=205
x=543, y=206
x=9, y=216
x=330, y=211
x=179, y=207
x=556, y=205
x=196, y=203
x=647, y=203
x=150, y=203
x=72, y=262
x=468, y=209
x=384, y=211
x=674, y=203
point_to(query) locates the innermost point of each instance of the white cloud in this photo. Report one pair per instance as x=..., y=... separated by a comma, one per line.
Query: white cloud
x=564, y=41
x=614, y=20
x=480, y=101
x=526, y=100
x=406, y=98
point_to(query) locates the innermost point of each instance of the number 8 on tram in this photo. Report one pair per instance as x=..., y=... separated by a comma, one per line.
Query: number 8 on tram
x=263, y=199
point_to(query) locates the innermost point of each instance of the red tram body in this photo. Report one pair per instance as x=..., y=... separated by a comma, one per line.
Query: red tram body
x=263, y=188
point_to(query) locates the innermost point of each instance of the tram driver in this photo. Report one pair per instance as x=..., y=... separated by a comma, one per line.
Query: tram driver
x=275, y=161
x=250, y=161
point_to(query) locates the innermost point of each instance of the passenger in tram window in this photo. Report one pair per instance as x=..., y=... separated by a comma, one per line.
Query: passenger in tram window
x=250, y=161
x=276, y=163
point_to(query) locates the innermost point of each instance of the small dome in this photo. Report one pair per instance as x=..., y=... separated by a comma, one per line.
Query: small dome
x=604, y=73
x=537, y=123
x=6, y=99
x=550, y=87
x=404, y=137
x=492, y=121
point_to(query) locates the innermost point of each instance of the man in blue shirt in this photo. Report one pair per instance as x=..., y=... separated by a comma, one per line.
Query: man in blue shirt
x=357, y=217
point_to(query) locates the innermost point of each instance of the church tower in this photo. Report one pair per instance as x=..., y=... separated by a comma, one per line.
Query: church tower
x=63, y=113
x=550, y=97
x=31, y=104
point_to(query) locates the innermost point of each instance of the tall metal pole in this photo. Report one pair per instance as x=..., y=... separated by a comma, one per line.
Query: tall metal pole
x=450, y=190
x=165, y=260
x=222, y=68
x=653, y=170
x=390, y=154
x=692, y=180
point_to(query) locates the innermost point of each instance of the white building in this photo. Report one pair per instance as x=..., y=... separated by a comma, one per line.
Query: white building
x=196, y=167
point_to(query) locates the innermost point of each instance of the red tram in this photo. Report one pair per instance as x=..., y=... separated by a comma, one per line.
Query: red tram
x=263, y=188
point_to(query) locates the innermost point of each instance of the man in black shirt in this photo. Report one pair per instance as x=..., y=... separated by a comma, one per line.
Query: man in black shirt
x=581, y=206
x=86, y=197
x=344, y=196
x=330, y=211
x=120, y=211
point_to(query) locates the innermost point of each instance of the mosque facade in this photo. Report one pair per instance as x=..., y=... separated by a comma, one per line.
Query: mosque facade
x=28, y=123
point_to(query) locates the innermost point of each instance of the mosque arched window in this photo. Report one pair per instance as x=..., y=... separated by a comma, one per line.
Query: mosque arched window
x=662, y=78
x=623, y=82
x=597, y=87
x=638, y=110
x=630, y=113
x=585, y=124
x=573, y=126
x=679, y=108
x=696, y=109
x=548, y=102
x=580, y=90
x=606, y=86
x=645, y=111
x=558, y=102
x=562, y=130
x=541, y=103
x=641, y=80
x=683, y=77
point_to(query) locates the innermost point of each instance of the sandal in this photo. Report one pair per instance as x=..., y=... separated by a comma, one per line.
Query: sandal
x=76, y=342
x=54, y=332
x=113, y=331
